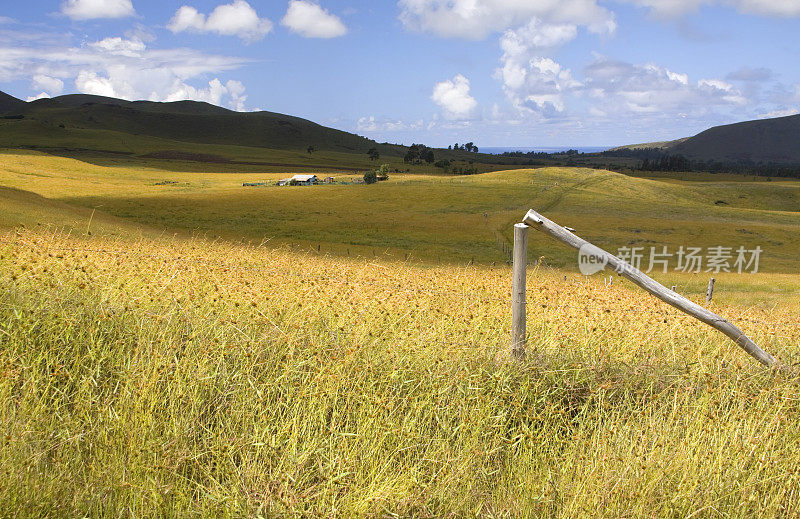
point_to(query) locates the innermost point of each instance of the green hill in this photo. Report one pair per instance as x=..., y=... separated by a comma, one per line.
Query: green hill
x=659, y=145
x=186, y=121
x=9, y=103
x=766, y=140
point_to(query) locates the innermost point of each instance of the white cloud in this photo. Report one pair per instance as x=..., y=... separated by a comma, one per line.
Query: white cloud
x=769, y=7
x=371, y=124
x=50, y=85
x=546, y=87
x=120, y=47
x=187, y=18
x=235, y=19
x=675, y=8
x=42, y=95
x=214, y=94
x=312, y=21
x=453, y=97
x=91, y=9
x=786, y=112
x=89, y=82
x=621, y=87
x=530, y=81
x=127, y=69
x=476, y=19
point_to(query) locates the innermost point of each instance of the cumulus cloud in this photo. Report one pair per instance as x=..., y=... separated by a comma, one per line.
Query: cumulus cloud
x=42, y=95
x=371, y=124
x=126, y=69
x=454, y=99
x=674, y=8
x=544, y=87
x=120, y=47
x=476, y=19
x=649, y=89
x=88, y=82
x=531, y=81
x=540, y=88
x=312, y=21
x=235, y=19
x=49, y=85
x=92, y=9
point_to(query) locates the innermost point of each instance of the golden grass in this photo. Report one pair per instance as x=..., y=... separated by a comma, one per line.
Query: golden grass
x=431, y=218
x=172, y=378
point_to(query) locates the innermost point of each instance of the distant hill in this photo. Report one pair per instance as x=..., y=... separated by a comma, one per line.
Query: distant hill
x=659, y=145
x=9, y=103
x=188, y=121
x=765, y=140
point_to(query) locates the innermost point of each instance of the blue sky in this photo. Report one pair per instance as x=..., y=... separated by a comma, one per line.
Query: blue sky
x=521, y=73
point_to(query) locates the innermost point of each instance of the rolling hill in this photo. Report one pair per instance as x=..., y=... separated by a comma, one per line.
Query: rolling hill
x=9, y=103
x=765, y=140
x=186, y=121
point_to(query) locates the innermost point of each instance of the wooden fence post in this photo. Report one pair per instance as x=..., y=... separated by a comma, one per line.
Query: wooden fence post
x=558, y=232
x=710, y=291
x=518, y=290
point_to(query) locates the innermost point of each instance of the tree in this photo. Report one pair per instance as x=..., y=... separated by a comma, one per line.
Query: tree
x=455, y=146
x=370, y=177
x=468, y=146
x=427, y=156
x=311, y=149
x=373, y=154
x=443, y=163
x=475, y=149
x=382, y=173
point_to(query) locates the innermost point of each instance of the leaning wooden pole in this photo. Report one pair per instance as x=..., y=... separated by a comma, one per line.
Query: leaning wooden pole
x=520, y=270
x=538, y=221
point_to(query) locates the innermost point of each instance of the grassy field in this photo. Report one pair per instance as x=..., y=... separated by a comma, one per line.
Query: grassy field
x=430, y=218
x=174, y=377
x=200, y=348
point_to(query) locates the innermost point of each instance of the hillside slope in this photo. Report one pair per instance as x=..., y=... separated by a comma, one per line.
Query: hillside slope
x=767, y=140
x=9, y=103
x=187, y=121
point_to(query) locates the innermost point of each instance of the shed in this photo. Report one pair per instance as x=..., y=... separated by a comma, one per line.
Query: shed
x=304, y=180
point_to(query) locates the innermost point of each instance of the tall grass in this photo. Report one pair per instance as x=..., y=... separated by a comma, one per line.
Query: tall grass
x=210, y=379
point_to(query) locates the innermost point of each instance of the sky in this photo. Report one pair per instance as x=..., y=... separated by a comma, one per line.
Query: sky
x=525, y=73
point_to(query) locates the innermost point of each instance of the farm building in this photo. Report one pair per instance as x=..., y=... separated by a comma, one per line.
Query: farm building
x=302, y=180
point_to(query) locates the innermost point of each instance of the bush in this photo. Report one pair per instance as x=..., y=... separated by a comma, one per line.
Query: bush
x=370, y=177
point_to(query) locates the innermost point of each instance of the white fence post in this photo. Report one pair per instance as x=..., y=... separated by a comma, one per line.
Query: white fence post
x=518, y=290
